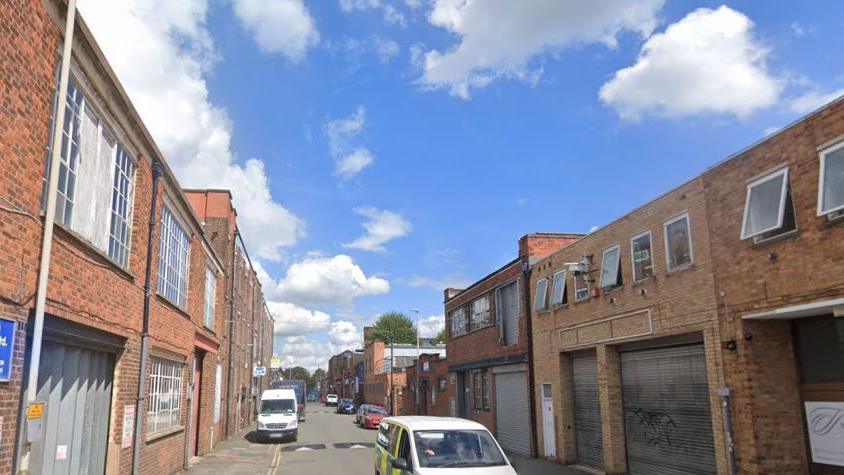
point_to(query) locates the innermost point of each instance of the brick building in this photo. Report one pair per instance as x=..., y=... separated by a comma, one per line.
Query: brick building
x=435, y=390
x=488, y=345
x=127, y=248
x=343, y=372
x=721, y=293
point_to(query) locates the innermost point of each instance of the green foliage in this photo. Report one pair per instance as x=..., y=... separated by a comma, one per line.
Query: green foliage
x=440, y=338
x=298, y=372
x=393, y=327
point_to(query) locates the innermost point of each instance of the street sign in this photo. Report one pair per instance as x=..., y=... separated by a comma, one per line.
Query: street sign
x=259, y=371
x=34, y=421
x=7, y=347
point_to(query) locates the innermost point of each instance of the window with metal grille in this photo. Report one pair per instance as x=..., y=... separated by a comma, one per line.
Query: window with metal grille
x=121, y=207
x=165, y=395
x=173, y=252
x=210, y=293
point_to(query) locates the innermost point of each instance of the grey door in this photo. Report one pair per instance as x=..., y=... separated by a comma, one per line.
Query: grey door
x=667, y=421
x=75, y=383
x=587, y=410
x=508, y=312
x=512, y=414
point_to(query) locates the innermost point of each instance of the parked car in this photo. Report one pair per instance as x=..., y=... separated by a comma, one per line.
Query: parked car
x=427, y=445
x=331, y=400
x=346, y=406
x=372, y=416
x=278, y=416
x=359, y=412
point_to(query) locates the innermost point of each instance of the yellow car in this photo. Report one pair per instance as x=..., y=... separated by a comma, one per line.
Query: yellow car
x=416, y=445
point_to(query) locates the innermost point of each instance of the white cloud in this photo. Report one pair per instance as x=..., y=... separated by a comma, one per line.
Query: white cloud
x=350, y=157
x=303, y=351
x=392, y=15
x=381, y=227
x=498, y=38
x=385, y=48
x=430, y=326
x=163, y=68
x=813, y=100
x=344, y=335
x=319, y=280
x=290, y=319
x=708, y=62
x=279, y=26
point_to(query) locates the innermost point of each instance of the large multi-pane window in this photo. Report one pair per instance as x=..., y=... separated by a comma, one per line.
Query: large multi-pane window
x=173, y=259
x=480, y=313
x=165, y=395
x=95, y=179
x=458, y=322
x=210, y=293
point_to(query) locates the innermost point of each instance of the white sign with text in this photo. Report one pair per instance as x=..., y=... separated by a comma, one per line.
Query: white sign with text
x=825, y=422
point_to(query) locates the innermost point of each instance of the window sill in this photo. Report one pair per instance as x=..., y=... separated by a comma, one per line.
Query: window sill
x=560, y=306
x=163, y=433
x=611, y=290
x=172, y=305
x=644, y=281
x=682, y=268
x=90, y=248
x=473, y=331
x=779, y=237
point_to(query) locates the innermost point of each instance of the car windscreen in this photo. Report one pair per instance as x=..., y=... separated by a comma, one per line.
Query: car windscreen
x=376, y=410
x=277, y=406
x=457, y=448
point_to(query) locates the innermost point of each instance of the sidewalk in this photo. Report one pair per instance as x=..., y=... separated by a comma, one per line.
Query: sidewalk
x=531, y=466
x=241, y=454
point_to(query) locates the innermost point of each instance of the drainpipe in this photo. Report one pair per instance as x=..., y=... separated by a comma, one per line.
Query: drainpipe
x=49, y=220
x=531, y=379
x=232, y=317
x=157, y=173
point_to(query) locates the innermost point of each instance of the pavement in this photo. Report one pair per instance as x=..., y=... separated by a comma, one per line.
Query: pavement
x=328, y=443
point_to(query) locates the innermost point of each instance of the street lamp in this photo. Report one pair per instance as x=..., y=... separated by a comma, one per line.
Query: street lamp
x=418, y=402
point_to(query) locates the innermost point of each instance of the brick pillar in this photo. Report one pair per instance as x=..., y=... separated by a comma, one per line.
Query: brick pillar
x=566, y=440
x=612, y=412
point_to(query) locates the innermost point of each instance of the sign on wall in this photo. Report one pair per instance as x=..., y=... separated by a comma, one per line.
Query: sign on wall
x=259, y=371
x=825, y=423
x=7, y=347
x=128, y=426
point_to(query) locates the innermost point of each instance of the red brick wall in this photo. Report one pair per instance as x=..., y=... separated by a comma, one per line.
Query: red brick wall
x=438, y=370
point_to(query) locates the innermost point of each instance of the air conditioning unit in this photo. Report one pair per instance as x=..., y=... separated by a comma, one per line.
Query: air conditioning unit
x=576, y=268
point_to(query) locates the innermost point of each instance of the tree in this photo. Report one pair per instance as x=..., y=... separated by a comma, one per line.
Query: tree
x=440, y=338
x=393, y=327
x=317, y=375
x=298, y=372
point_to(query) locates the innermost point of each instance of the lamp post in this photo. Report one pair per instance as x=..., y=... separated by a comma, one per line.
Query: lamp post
x=417, y=397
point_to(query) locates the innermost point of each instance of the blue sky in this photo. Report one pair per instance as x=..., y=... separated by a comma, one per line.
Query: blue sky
x=450, y=127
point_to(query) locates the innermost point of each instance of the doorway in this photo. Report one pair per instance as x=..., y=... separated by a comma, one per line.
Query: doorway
x=198, y=359
x=548, y=431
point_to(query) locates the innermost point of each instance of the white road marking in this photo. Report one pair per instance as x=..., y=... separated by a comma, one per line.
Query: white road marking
x=303, y=449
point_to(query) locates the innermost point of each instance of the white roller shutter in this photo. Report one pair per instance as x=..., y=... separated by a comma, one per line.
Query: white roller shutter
x=587, y=410
x=667, y=421
x=512, y=411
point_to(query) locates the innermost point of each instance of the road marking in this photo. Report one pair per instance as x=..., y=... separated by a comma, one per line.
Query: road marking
x=358, y=446
x=276, y=463
x=303, y=449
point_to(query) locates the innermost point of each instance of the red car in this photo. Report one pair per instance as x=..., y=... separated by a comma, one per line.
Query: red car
x=372, y=416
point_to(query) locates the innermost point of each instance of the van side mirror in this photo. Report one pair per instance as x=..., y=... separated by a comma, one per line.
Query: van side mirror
x=401, y=464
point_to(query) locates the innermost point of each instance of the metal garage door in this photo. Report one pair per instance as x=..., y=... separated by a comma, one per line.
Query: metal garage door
x=507, y=300
x=667, y=420
x=512, y=413
x=76, y=385
x=587, y=410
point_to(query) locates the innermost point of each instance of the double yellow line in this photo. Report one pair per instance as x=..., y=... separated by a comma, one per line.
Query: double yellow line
x=276, y=464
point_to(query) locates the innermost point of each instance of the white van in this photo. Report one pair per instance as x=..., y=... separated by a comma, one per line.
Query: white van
x=278, y=415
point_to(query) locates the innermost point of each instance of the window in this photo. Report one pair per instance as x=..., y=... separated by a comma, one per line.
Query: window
x=173, y=260
x=831, y=189
x=678, y=243
x=441, y=385
x=96, y=180
x=546, y=391
x=581, y=286
x=457, y=448
x=404, y=448
x=210, y=294
x=610, y=268
x=458, y=322
x=485, y=381
x=640, y=252
x=480, y=388
x=541, y=302
x=768, y=210
x=165, y=395
x=480, y=313
x=558, y=289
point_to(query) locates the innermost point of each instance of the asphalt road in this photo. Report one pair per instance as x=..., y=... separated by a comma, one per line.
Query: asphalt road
x=328, y=443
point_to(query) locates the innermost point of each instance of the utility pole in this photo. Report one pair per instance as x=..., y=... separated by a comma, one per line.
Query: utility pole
x=418, y=397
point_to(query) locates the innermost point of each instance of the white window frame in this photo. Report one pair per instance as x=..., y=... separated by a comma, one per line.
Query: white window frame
x=563, y=275
x=822, y=183
x=576, y=288
x=781, y=210
x=120, y=227
x=182, y=282
x=536, y=303
x=210, y=297
x=665, y=225
x=614, y=283
x=165, y=394
x=650, y=250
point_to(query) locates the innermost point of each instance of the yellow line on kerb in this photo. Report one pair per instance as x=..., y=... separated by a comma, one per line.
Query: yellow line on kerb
x=276, y=464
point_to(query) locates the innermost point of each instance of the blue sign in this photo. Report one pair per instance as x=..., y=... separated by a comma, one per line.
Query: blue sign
x=7, y=347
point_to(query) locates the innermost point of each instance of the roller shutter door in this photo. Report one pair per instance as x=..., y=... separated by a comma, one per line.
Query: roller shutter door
x=667, y=420
x=507, y=298
x=587, y=410
x=512, y=413
x=75, y=383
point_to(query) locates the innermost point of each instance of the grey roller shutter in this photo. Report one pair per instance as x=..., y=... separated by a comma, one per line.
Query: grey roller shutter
x=75, y=383
x=510, y=312
x=587, y=410
x=667, y=421
x=512, y=413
